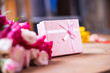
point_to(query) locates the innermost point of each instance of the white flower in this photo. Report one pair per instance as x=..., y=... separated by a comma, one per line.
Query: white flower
x=5, y=45
x=9, y=66
x=42, y=58
x=18, y=54
x=29, y=55
x=34, y=53
x=29, y=36
x=27, y=58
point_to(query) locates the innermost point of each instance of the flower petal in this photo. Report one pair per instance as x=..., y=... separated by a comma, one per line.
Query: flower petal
x=42, y=58
x=9, y=66
x=2, y=20
x=34, y=53
x=5, y=45
x=47, y=46
x=18, y=54
x=25, y=25
x=27, y=58
x=29, y=36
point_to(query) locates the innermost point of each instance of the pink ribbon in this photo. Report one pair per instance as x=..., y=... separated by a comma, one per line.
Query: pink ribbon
x=69, y=30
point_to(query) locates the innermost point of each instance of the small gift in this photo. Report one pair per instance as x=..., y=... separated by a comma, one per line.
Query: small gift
x=65, y=35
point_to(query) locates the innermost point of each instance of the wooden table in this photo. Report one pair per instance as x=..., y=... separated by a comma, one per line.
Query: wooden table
x=94, y=59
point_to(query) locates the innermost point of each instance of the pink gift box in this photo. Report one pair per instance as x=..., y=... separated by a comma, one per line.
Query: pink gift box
x=65, y=35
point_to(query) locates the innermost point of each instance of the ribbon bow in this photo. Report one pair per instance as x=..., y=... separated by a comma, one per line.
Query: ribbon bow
x=69, y=29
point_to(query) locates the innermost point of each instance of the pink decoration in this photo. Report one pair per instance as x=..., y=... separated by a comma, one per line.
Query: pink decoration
x=69, y=30
x=54, y=33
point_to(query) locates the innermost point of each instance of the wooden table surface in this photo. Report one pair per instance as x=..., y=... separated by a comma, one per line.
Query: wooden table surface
x=94, y=59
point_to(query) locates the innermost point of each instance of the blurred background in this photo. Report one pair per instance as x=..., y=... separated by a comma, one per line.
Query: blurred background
x=92, y=14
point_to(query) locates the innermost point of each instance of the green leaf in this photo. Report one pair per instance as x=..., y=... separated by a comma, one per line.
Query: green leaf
x=6, y=12
x=17, y=18
x=2, y=62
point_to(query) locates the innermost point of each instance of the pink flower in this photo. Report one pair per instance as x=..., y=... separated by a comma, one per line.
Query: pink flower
x=47, y=46
x=13, y=31
x=30, y=55
x=15, y=35
x=5, y=32
x=40, y=40
x=14, y=26
x=27, y=58
x=10, y=22
x=9, y=66
x=42, y=58
x=43, y=45
x=0, y=12
x=2, y=20
x=22, y=46
x=34, y=53
x=25, y=25
x=18, y=54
